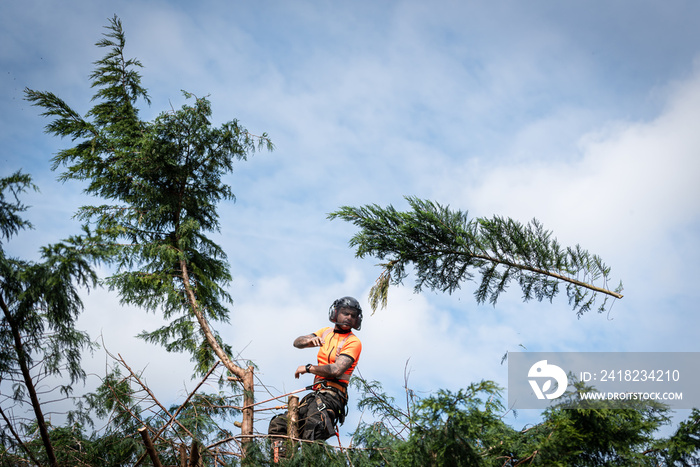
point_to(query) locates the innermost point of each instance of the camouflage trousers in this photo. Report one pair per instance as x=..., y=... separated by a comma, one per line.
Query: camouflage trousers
x=319, y=412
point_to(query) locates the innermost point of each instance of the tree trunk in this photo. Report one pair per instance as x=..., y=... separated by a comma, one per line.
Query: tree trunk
x=248, y=402
x=204, y=325
x=246, y=376
x=29, y=383
x=293, y=417
x=195, y=457
x=292, y=424
x=183, y=455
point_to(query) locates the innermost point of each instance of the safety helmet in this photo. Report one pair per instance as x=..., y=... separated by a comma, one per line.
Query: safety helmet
x=346, y=302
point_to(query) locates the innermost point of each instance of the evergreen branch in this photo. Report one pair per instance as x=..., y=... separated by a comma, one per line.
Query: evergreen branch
x=10, y=222
x=67, y=122
x=18, y=439
x=447, y=248
x=553, y=274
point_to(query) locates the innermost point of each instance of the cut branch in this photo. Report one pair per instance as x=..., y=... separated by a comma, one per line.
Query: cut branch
x=544, y=272
x=150, y=449
x=446, y=247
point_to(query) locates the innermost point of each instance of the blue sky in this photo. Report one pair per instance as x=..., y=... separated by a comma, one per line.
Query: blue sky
x=580, y=114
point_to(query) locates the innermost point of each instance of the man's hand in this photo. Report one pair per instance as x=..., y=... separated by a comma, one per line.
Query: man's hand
x=300, y=371
x=311, y=340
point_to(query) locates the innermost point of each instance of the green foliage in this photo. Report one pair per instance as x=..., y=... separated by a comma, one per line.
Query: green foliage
x=447, y=428
x=683, y=447
x=590, y=433
x=466, y=428
x=10, y=220
x=208, y=417
x=121, y=405
x=40, y=304
x=446, y=248
x=163, y=180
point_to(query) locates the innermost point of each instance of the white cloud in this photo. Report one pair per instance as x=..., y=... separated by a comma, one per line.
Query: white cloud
x=632, y=184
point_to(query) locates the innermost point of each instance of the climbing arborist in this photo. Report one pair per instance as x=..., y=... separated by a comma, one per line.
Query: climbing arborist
x=339, y=351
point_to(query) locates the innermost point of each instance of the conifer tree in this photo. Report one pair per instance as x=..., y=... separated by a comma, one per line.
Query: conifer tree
x=40, y=304
x=446, y=248
x=161, y=181
x=466, y=427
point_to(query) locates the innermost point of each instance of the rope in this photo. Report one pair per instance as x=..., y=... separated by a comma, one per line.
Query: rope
x=307, y=388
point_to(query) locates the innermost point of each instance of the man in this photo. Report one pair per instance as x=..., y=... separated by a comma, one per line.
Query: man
x=338, y=354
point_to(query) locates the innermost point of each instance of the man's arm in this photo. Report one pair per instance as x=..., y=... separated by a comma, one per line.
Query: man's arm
x=334, y=370
x=310, y=340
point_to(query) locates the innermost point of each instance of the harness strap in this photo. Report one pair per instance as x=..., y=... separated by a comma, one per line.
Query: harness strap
x=340, y=344
x=323, y=383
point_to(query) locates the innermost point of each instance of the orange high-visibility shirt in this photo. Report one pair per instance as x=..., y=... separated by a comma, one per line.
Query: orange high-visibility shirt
x=352, y=347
